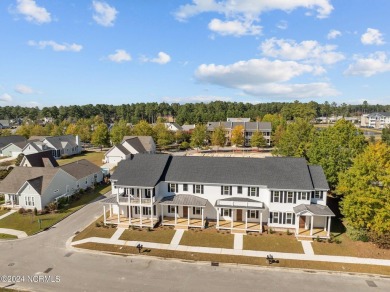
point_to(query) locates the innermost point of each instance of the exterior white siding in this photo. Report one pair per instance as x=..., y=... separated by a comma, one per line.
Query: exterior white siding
x=11, y=150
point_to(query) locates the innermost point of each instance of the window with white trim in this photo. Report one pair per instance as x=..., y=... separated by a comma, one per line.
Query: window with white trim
x=275, y=217
x=318, y=194
x=290, y=197
x=148, y=193
x=172, y=188
x=136, y=210
x=198, y=189
x=226, y=190
x=171, y=209
x=276, y=196
x=185, y=187
x=253, y=191
x=146, y=211
x=239, y=190
x=197, y=211
x=305, y=196
x=226, y=212
x=289, y=219
x=253, y=214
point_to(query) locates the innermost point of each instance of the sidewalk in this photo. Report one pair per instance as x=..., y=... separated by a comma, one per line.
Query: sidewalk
x=18, y=233
x=248, y=253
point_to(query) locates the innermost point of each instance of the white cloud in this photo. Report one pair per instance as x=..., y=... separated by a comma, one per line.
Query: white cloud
x=56, y=46
x=32, y=12
x=23, y=89
x=234, y=27
x=282, y=24
x=310, y=51
x=251, y=9
x=120, y=56
x=105, y=14
x=372, y=37
x=333, y=34
x=162, y=58
x=374, y=64
x=262, y=77
x=5, y=97
x=195, y=99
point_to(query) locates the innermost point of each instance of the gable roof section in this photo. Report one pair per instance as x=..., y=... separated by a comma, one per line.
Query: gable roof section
x=146, y=141
x=120, y=147
x=315, y=209
x=33, y=144
x=19, y=175
x=273, y=172
x=385, y=114
x=318, y=177
x=135, y=143
x=80, y=168
x=42, y=159
x=60, y=142
x=4, y=123
x=143, y=170
x=5, y=140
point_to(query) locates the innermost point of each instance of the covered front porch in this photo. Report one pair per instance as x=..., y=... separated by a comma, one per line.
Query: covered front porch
x=240, y=214
x=11, y=200
x=183, y=211
x=313, y=221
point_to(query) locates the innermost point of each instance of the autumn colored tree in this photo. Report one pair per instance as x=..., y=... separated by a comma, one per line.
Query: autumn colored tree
x=238, y=135
x=162, y=135
x=365, y=190
x=199, y=136
x=118, y=131
x=218, y=137
x=258, y=140
x=143, y=128
x=386, y=135
x=100, y=136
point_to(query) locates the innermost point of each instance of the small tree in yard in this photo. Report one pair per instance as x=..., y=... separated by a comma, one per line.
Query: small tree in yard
x=238, y=136
x=100, y=136
x=258, y=140
x=218, y=137
x=52, y=207
x=198, y=136
x=19, y=159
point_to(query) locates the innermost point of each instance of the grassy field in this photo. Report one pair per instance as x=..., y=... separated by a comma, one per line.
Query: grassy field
x=207, y=238
x=7, y=236
x=94, y=231
x=30, y=224
x=94, y=157
x=159, y=235
x=192, y=256
x=277, y=242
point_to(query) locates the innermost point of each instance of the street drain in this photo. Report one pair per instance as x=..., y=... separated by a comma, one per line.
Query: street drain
x=371, y=283
x=48, y=270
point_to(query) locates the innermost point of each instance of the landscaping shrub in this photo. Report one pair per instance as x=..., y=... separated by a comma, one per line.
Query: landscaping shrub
x=381, y=241
x=184, y=145
x=22, y=211
x=35, y=212
x=97, y=224
x=357, y=234
x=61, y=202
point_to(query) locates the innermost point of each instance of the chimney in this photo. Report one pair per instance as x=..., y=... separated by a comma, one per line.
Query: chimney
x=77, y=140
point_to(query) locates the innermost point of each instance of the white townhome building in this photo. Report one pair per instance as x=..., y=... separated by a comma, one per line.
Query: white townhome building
x=376, y=120
x=238, y=194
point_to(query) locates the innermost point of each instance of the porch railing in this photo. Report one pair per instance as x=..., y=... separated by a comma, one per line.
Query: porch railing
x=240, y=204
x=135, y=200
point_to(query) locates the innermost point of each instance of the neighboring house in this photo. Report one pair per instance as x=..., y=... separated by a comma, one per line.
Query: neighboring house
x=249, y=128
x=235, y=120
x=34, y=146
x=35, y=187
x=84, y=172
x=188, y=128
x=239, y=194
x=376, y=120
x=4, y=124
x=14, y=149
x=40, y=159
x=130, y=145
x=174, y=127
x=6, y=141
x=63, y=145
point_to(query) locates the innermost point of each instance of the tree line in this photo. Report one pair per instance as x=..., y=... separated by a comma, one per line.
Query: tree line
x=190, y=113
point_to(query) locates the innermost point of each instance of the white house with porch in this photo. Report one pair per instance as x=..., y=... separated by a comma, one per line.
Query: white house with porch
x=238, y=194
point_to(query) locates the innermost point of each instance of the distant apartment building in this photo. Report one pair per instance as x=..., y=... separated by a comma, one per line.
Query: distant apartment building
x=249, y=128
x=375, y=120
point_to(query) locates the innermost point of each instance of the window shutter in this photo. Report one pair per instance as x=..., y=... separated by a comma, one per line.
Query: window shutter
x=202, y=189
x=293, y=219
x=193, y=189
x=321, y=195
x=230, y=212
x=257, y=214
x=299, y=195
x=193, y=210
x=231, y=191
x=221, y=211
x=284, y=218
x=270, y=217
x=169, y=188
x=257, y=192
x=295, y=197
x=154, y=192
x=312, y=194
x=221, y=190
x=247, y=213
x=280, y=217
x=249, y=190
x=272, y=196
x=284, y=197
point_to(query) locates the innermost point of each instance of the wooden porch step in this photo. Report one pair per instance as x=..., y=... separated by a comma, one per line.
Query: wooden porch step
x=123, y=225
x=181, y=227
x=234, y=231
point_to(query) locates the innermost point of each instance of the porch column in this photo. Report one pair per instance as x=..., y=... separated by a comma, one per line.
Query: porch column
x=202, y=217
x=246, y=219
x=162, y=214
x=311, y=225
x=175, y=215
x=217, y=218
x=325, y=221
x=151, y=217
x=119, y=214
x=104, y=214
x=130, y=213
x=261, y=222
x=188, y=216
x=12, y=201
x=140, y=216
x=297, y=219
x=329, y=220
x=110, y=211
x=231, y=222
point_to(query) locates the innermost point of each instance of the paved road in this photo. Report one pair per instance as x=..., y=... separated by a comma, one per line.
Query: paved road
x=79, y=271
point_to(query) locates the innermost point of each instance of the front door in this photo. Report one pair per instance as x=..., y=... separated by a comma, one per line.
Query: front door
x=302, y=220
x=185, y=211
x=239, y=215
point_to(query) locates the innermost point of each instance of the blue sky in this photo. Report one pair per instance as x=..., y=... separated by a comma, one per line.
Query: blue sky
x=57, y=52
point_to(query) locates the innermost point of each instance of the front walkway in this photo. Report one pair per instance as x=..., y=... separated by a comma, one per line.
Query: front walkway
x=17, y=233
x=247, y=253
x=307, y=248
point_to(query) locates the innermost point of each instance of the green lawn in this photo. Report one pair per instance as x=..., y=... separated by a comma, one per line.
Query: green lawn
x=273, y=242
x=159, y=235
x=94, y=231
x=7, y=236
x=94, y=157
x=30, y=224
x=207, y=238
x=2, y=212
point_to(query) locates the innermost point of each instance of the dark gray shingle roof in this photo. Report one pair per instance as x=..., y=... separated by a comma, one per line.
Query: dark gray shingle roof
x=5, y=140
x=315, y=209
x=81, y=168
x=136, y=144
x=59, y=141
x=318, y=177
x=122, y=149
x=142, y=170
x=41, y=159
